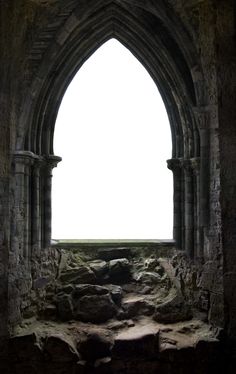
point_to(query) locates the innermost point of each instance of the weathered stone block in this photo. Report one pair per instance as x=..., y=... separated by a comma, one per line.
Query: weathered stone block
x=94, y=308
x=95, y=345
x=60, y=348
x=141, y=342
x=81, y=274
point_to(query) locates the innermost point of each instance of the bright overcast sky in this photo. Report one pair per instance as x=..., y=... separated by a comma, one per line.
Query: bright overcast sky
x=113, y=135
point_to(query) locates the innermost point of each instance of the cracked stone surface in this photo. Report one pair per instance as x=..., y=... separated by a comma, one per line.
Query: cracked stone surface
x=99, y=326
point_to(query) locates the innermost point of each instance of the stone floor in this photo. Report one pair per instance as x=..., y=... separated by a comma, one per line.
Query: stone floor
x=115, y=312
x=135, y=345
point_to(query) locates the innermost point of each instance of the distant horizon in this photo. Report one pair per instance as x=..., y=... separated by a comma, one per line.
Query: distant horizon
x=113, y=134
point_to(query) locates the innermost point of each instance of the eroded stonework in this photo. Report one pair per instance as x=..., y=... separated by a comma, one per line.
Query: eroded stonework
x=104, y=313
x=188, y=47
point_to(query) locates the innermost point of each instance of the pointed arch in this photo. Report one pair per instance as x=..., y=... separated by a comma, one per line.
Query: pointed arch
x=169, y=58
x=151, y=43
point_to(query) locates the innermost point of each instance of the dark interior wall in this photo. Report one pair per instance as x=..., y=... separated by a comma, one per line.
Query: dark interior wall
x=33, y=30
x=226, y=84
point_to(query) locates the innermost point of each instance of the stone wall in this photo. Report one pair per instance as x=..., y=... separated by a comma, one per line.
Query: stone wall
x=198, y=47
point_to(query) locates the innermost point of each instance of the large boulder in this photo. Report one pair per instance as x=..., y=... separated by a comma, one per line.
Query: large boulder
x=137, y=342
x=100, y=268
x=147, y=277
x=23, y=346
x=60, y=348
x=80, y=274
x=119, y=270
x=88, y=289
x=173, y=310
x=94, y=308
x=138, y=305
x=95, y=344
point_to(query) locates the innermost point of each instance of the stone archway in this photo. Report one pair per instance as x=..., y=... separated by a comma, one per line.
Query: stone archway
x=172, y=62
x=148, y=37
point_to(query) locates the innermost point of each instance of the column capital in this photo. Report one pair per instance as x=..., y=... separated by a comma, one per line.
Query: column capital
x=174, y=164
x=24, y=157
x=52, y=160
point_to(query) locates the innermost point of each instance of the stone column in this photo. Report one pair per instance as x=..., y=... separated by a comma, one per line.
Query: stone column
x=23, y=161
x=36, y=207
x=198, y=252
x=174, y=164
x=203, y=125
x=49, y=163
x=188, y=207
x=27, y=206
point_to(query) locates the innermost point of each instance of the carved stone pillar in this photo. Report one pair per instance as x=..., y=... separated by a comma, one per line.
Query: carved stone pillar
x=27, y=205
x=23, y=161
x=198, y=252
x=203, y=118
x=188, y=207
x=49, y=163
x=174, y=165
x=36, y=207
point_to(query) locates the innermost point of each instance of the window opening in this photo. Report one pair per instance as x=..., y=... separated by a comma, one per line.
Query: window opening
x=114, y=137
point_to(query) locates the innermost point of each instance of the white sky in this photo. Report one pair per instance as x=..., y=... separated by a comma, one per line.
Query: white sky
x=113, y=134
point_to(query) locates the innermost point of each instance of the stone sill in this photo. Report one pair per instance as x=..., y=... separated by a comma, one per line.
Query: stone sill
x=116, y=243
x=121, y=248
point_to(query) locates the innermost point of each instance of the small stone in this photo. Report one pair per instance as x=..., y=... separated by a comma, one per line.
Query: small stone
x=49, y=311
x=81, y=363
x=159, y=270
x=116, y=325
x=121, y=315
x=102, y=362
x=116, y=293
x=130, y=323
x=150, y=264
x=131, y=287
